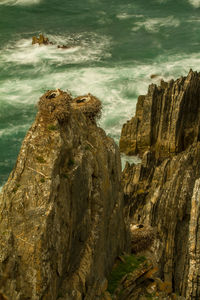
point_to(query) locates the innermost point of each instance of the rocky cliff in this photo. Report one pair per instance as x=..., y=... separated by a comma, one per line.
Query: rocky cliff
x=163, y=192
x=167, y=119
x=61, y=211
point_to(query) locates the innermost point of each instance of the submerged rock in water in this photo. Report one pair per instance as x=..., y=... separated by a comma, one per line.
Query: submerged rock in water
x=61, y=210
x=42, y=40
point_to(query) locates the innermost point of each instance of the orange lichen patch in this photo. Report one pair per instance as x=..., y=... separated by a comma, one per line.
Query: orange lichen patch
x=89, y=105
x=151, y=272
x=2, y=297
x=165, y=287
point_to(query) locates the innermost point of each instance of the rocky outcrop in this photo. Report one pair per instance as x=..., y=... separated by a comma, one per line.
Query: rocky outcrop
x=167, y=119
x=61, y=211
x=134, y=277
x=42, y=40
x=163, y=191
x=165, y=197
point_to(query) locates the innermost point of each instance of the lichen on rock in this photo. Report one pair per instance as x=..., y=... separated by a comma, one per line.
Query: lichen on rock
x=61, y=210
x=163, y=191
x=166, y=120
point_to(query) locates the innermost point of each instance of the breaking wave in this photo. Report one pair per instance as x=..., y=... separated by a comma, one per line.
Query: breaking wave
x=117, y=87
x=19, y=2
x=125, y=16
x=155, y=24
x=83, y=48
x=195, y=3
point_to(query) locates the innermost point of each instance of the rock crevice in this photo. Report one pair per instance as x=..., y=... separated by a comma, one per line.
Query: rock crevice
x=167, y=119
x=61, y=213
x=163, y=191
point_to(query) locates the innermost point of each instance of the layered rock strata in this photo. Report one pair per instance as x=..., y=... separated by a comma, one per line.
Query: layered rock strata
x=167, y=119
x=165, y=197
x=61, y=210
x=163, y=191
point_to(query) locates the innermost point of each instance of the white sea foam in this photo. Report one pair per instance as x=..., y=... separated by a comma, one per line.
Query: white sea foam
x=125, y=15
x=84, y=48
x=11, y=130
x=195, y=3
x=155, y=24
x=19, y=2
x=117, y=87
x=161, y=1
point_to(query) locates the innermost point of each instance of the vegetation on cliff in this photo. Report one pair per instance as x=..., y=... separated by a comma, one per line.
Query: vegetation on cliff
x=163, y=191
x=61, y=213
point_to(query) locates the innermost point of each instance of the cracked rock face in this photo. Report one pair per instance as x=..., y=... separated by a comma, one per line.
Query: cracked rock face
x=166, y=197
x=167, y=119
x=163, y=191
x=61, y=210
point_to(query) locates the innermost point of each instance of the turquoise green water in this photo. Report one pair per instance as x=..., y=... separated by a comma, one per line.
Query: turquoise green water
x=117, y=45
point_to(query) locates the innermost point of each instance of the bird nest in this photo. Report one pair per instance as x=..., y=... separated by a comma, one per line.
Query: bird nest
x=142, y=237
x=89, y=105
x=55, y=105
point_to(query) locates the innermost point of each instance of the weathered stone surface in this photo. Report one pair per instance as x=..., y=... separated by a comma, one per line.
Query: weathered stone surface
x=41, y=40
x=163, y=191
x=168, y=200
x=167, y=119
x=142, y=284
x=61, y=211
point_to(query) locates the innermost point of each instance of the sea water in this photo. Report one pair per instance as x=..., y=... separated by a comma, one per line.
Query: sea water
x=115, y=48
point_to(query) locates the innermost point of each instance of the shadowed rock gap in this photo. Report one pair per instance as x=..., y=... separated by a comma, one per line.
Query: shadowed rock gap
x=164, y=189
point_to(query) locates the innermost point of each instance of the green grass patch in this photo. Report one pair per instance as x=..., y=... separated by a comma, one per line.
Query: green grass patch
x=16, y=188
x=40, y=159
x=87, y=148
x=52, y=127
x=131, y=262
x=151, y=296
x=42, y=180
x=64, y=175
x=70, y=163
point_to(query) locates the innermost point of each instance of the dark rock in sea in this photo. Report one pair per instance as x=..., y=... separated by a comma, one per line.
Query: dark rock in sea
x=61, y=210
x=154, y=76
x=42, y=40
x=64, y=47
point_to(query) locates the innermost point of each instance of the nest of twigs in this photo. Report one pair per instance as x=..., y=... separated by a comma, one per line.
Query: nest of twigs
x=55, y=105
x=89, y=105
x=142, y=238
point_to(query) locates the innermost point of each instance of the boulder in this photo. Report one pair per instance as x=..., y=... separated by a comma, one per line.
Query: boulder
x=42, y=40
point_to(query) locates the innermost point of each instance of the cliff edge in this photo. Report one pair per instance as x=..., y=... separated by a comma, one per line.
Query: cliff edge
x=163, y=192
x=61, y=210
x=167, y=119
